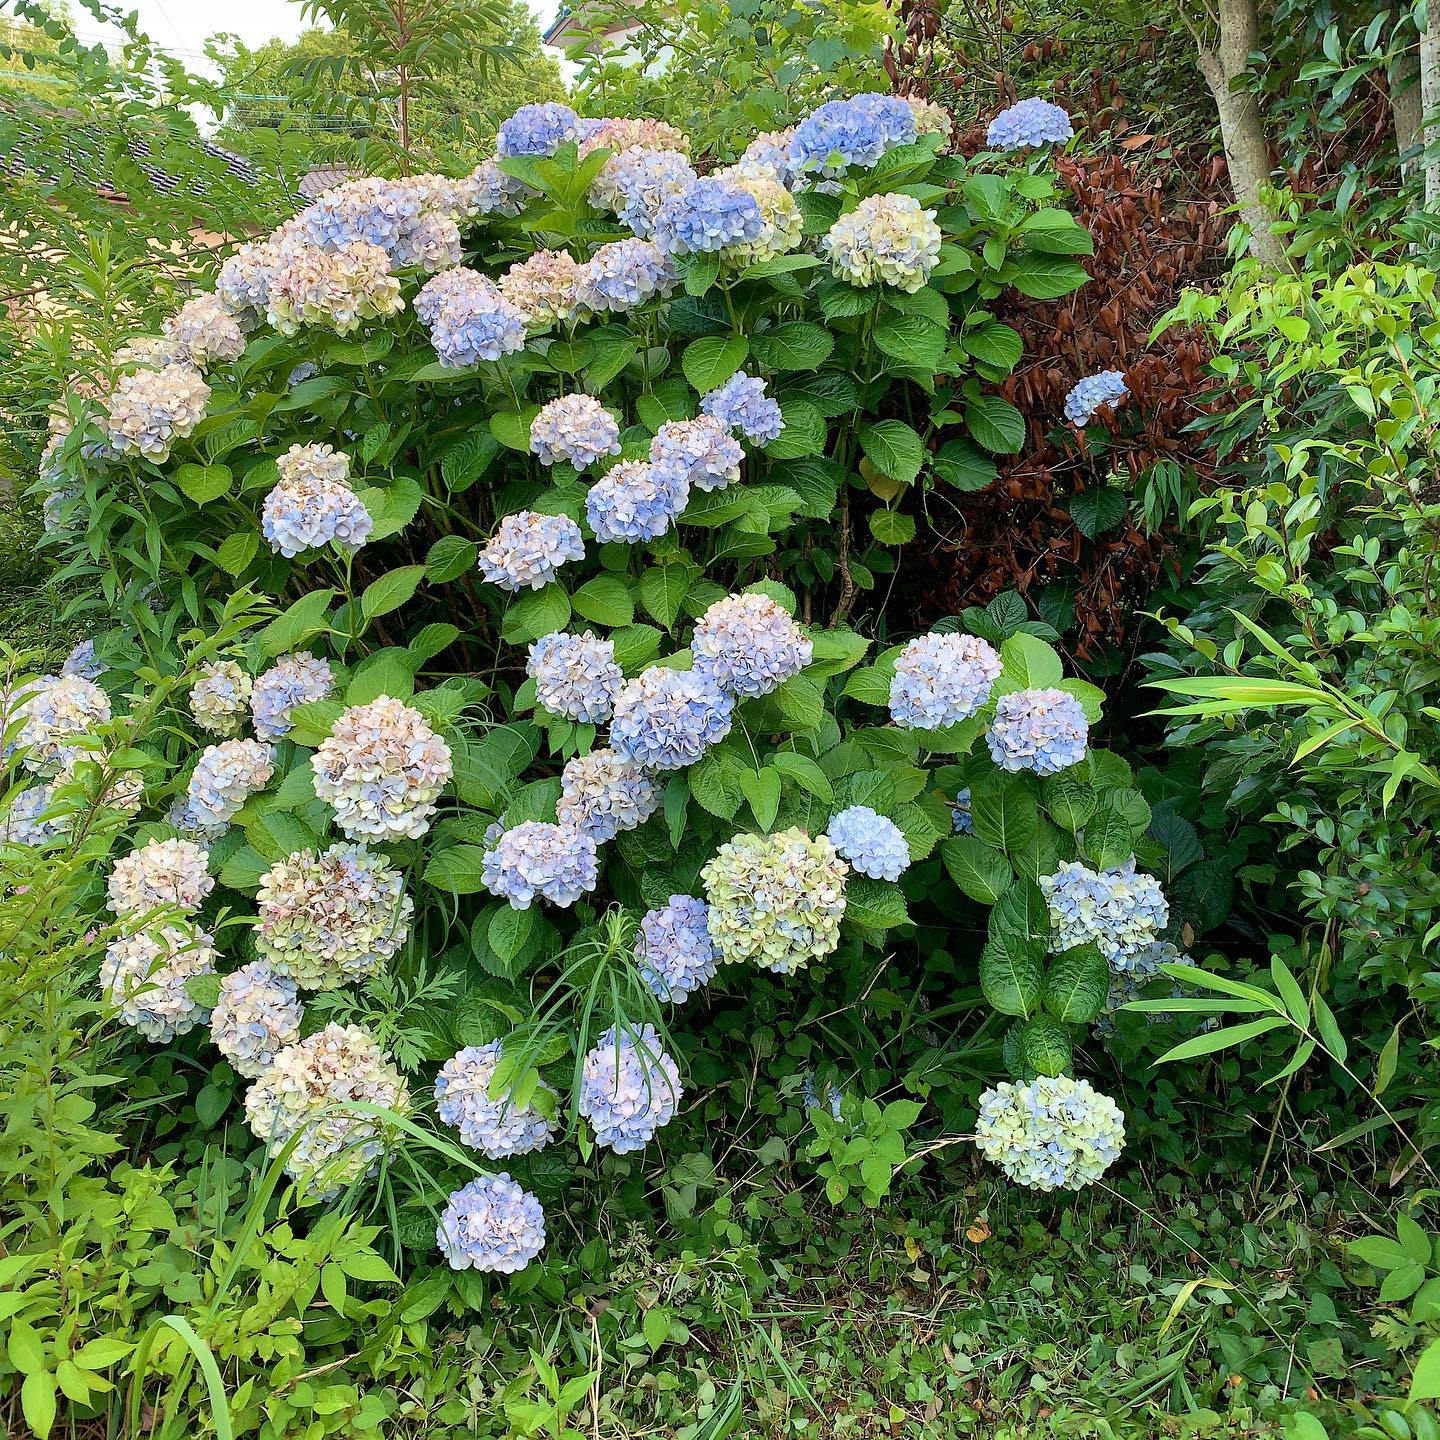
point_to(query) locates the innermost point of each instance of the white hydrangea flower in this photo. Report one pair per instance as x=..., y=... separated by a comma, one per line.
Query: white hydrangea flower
x=1053, y=1133
x=224, y=778
x=603, y=793
x=56, y=712
x=205, y=332
x=151, y=409
x=257, y=1016
x=144, y=976
x=220, y=697
x=528, y=549
x=161, y=872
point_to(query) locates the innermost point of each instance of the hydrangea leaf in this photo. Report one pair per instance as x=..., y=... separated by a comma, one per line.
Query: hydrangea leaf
x=1077, y=983
x=980, y=870
x=1011, y=974
x=708, y=363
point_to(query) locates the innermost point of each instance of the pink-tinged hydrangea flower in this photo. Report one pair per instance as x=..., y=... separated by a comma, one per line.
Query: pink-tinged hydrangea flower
x=575, y=428
x=313, y=505
x=674, y=951
x=298, y=679
x=742, y=404
x=488, y=190
x=437, y=291
x=873, y=845
x=635, y=501
x=328, y=919
x=941, y=679
x=528, y=549
x=205, y=333
x=257, y=1015
x=410, y=219
x=575, y=676
x=150, y=410
x=886, y=239
x=243, y=285
x=174, y=873
x=537, y=130
x=1039, y=730
x=707, y=215
x=224, y=778
x=542, y=288
x=491, y=1225
x=629, y=1089
x=1089, y=394
x=961, y=820
x=381, y=769
x=555, y=862
x=603, y=793
x=56, y=712
x=775, y=900
x=30, y=819
x=703, y=450
x=623, y=275
x=636, y=183
x=667, y=719
x=496, y=1126
x=143, y=975
x=473, y=320
x=81, y=661
x=749, y=644
x=1053, y=1133
x=151, y=352
x=1120, y=911
x=1029, y=124
x=770, y=150
x=220, y=698
x=930, y=118
x=334, y=290
x=622, y=133
x=311, y=1089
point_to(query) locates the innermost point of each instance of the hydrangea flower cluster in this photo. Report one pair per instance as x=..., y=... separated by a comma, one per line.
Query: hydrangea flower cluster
x=667, y=719
x=781, y=223
x=742, y=404
x=942, y=679
x=161, y=872
x=556, y=862
x=930, y=118
x=81, y=661
x=332, y=290
x=1028, y=124
x=873, y=845
x=143, y=975
x=57, y=712
x=575, y=676
x=637, y=182
x=496, y=1127
x=623, y=275
x=488, y=190
x=243, y=284
x=813, y=1098
x=886, y=239
x=203, y=332
x=471, y=319
x=961, y=818
x=1089, y=394
x=257, y=1015
x=328, y=919
x=409, y=219
x=703, y=450
x=749, y=644
x=1043, y=731
x=707, y=215
x=603, y=793
x=1132, y=984
x=621, y=133
x=775, y=900
x=382, y=768
x=542, y=288
x=313, y=505
x=574, y=428
x=842, y=133
x=220, y=697
x=1054, y=1133
x=149, y=410
x=491, y=1224
x=635, y=501
x=308, y=1090
x=528, y=549
x=1120, y=911
x=537, y=130
x=225, y=777
x=26, y=820
x=298, y=679
x=629, y=1089
x=674, y=952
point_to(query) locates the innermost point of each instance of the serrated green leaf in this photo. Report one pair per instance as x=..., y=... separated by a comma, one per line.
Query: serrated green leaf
x=712, y=360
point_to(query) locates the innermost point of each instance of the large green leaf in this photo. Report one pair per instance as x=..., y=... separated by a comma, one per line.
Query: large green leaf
x=1011, y=974
x=893, y=448
x=796, y=345
x=980, y=870
x=1077, y=983
x=1005, y=817
x=995, y=424
x=711, y=361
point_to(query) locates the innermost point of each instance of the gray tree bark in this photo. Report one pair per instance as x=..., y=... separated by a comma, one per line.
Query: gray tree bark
x=1406, y=112
x=1430, y=101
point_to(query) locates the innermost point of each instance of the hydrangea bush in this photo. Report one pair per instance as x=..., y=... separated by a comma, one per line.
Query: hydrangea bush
x=566, y=482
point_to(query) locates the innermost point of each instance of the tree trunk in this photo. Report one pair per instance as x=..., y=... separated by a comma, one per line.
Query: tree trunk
x=1242, y=129
x=1430, y=103
x=1406, y=111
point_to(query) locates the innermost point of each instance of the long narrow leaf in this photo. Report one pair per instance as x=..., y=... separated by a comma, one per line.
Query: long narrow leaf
x=1221, y=1039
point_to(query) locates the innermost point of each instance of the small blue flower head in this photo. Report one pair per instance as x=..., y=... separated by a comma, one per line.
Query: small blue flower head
x=704, y=450
x=1043, y=731
x=528, y=549
x=707, y=215
x=603, y=793
x=538, y=858
x=842, y=133
x=749, y=645
x=635, y=501
x=941, y=680
x=812, y=1098
x=667, y=719
x=742, y=404
x=575, y=428
x=674, y=951
x=575, y=676
x=1089, y=394
x=296, y=680
x=622, y=276
x=1028, y=125
x=960, y=816
x=491, y=1224
x=537, y=130
x=1054, y=1133
x=496, y=1126
x=1120, y=911
x=474, y=321
x=873, y=845
x=637, y=182
x=81, y=661
x=629, y=1089
x=771, y=149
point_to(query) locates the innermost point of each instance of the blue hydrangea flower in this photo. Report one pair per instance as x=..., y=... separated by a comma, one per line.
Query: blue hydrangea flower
x=629, y=1089
x=771, y=150
x=30, y=820
x=224, y=778
x=497, y=1127
x=749, y=645
x=941, y=679
x=960, y=817
x=637, y=182
x=603, y=793
x=575, y=428
x=667, y=719
x=1054, y=1133
x=298, y=679
x=1039, y=730
x=707, y=215
x=538, y=858
x=1120, y=911
x=636, y=500
x=742, y=404
x=575, y=676
x=81, y=661
x=528, y=549
x=873, y=845
x=1089, y=394
x=674, y=951
x=703, y=450
x=812, y=1098
x=622, y=276
x=491, y=1224
x=842, y=133
x=537, y=130
x=473, y=320
x=1028, y=125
